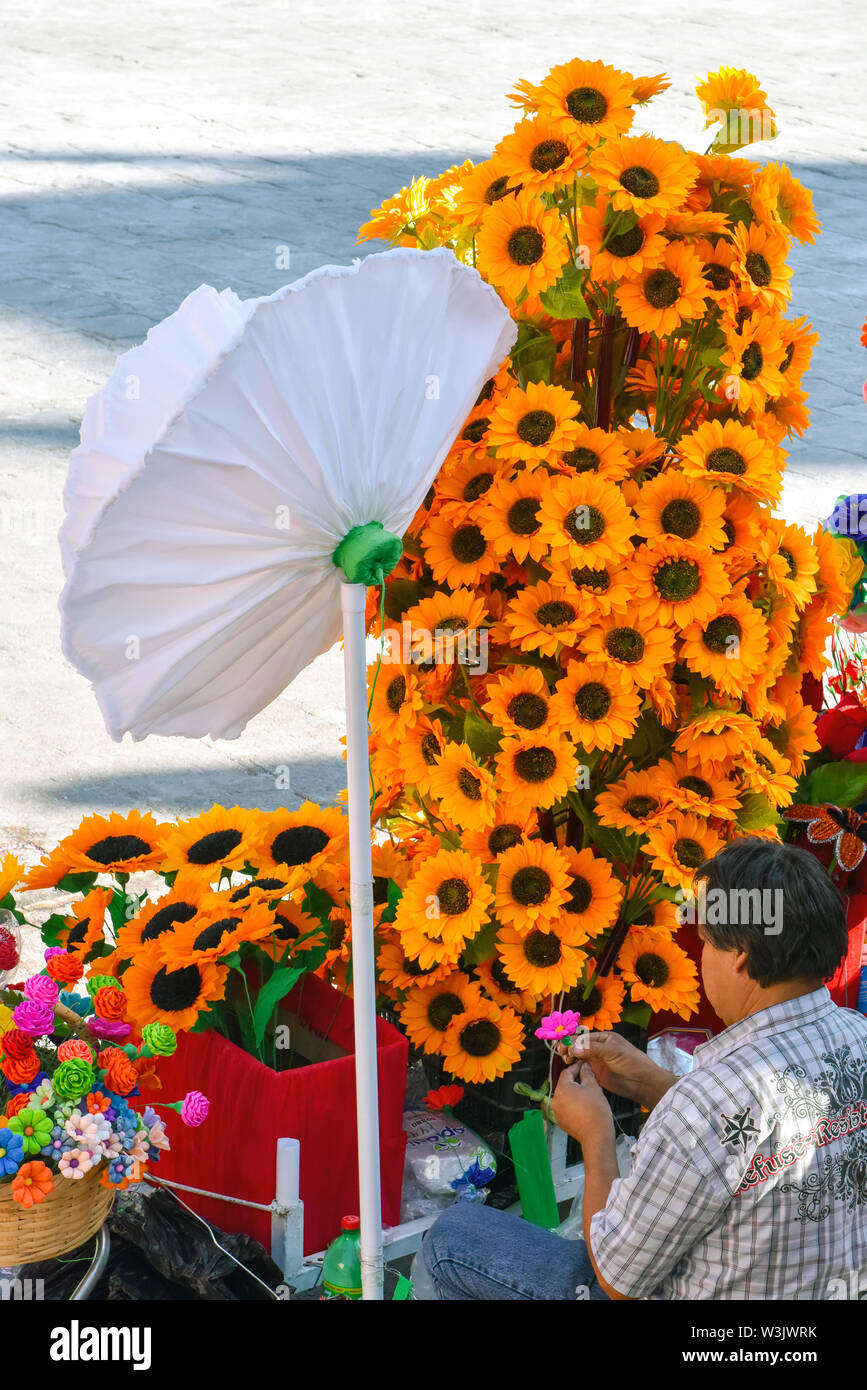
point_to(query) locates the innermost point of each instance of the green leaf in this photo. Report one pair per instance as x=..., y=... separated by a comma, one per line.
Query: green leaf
x=393, y=895
x=77, y=883
x=51, y=929
x=482, y=946
x=533, y=355
x=271, y=994
x=843, y=784
x=117, y=910
x=565, y=300
x=400, y=594
x=480, y=735
x=636, y=1013
x=318, y=903
x=756, y=812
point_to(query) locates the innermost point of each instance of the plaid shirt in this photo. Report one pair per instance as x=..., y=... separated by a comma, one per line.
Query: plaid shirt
x=749, y=1180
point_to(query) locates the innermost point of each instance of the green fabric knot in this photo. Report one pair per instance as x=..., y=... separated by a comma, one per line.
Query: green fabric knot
x=368, y=553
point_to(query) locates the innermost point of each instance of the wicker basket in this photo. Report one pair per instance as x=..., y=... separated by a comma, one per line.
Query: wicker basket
x=70, y=1215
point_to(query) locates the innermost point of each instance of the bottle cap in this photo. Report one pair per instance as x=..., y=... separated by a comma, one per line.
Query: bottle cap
x=350, y=1223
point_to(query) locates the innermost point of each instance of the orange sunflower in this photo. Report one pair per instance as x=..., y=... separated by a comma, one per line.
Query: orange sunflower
x=542, y=618
x=503, y=991
x=598, y=591
x=116, y=844
x=399, y=971
x=506, y=831
x=428, y=1011
x=618, y=255
x=680, y=845
x=696, y=788
x=595, y=451
x=633, y=803
x=510, y=516
x=463, y=788
x=483, y=1043
x=531, y=423
x=303, y=839
x=480, y=189
x=397, y=699
x=532, y=885
x=599, y=705
x=421, y=750
x=519, y=701
x=716, y=739
x=754, y=355
x=540, y=960
x=600, y=1006
x=200, y=848
x=84, y=927
x=673, y=505
x=635, y=645
x=760, y=259
x=457, y=550
x=728, y=646
x=444, y=904
x=585, y=521
x=594, y=896
x=677, y=582
x=791, y=561
x=157, y=994
x=658, y=972
x=590, y=99
x=535, y=771
x=665, y=294
x=642, y=174
x=541, y=155
x=521, y=246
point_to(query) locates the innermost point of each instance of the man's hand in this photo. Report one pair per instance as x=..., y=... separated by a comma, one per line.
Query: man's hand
x=620, y=1067
x=580, y=1108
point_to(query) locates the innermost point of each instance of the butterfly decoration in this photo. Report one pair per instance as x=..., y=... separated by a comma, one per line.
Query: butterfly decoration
x=837, y=825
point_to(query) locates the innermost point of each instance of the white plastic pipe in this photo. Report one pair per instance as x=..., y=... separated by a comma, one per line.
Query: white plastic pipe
x=287, y=1228
x=353, y=601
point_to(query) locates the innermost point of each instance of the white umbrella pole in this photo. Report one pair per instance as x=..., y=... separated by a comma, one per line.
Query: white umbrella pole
x=353, y=599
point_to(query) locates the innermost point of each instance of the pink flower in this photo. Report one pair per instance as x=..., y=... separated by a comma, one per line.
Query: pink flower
x=157, y=1135
x=112, y=1028
x=194, y=1108
x=75, y=1163
x=558, y=1026
x=138, y=1152
x=54, y=951
x=42, y=989
x=35, y=1019
x=88, y=1131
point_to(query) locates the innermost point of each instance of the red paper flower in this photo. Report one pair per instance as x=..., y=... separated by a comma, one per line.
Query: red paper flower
x=839, y=729
x=8, y=950
x=120, y=1075
x=445, y=1096
x=66, y=969
x=109, y=1002
x=15, y=1104
x=17, y=1044
x=75, y=1047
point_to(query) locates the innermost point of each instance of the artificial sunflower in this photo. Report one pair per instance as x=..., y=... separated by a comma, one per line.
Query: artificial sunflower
x=618, y=255
x=428, y=1011
x=735, y=95
x=84, y=927
x=531, y=423
x=116, y=844
x=753, y=355
x=535, y=771
x=717, y=258
x=767, y=773
x=464, y=481
x=462, y=787
x=633, y=803
x=791, y=561
x=659, y=972
x=635, y=645
x=539, y=960
x=532, y=886
x=673, y=505
x=798, y=341
x=697, y=788
x=729, y=645
x=595, y=451
x=398, y=971
x=600, y=1004
x=590, y=99
x=666, y=294
x=480, y=189
x=677, y=582
x=158, y=994
x=542, y=618
x=521, y=247
x=506, y=831
x=482, y=1043
x=586, y=521
x=444, y=904
x=11, y=873
x=510, y=516
x=716, y=739
x=599, y=705
x=594, y=896
x=642, y=174
x=680, y=845
x=503, y=991
x=598, y=591
x=202, y=847
x=760, y=259
x=457, y=614
x=396, y=700
x=781, y=199
x=303, y=839
x=421, y=750
x=457, y=550
x=793, y=733
x=540, y=155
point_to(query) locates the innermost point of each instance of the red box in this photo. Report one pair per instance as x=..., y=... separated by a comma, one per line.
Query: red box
x=234, y=1151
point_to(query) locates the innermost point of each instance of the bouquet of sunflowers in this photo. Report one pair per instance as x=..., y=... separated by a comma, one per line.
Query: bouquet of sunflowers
x=594, y=646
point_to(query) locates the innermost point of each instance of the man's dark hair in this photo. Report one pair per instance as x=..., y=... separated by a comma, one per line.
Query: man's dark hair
x=813, y=939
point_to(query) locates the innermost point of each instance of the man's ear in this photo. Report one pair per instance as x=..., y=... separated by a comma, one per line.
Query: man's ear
x=739, y=965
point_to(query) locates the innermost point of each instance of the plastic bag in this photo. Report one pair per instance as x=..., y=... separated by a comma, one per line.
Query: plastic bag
x=445, y=1162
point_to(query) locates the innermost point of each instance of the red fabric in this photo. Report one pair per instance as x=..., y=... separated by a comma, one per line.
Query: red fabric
x=234, y=1151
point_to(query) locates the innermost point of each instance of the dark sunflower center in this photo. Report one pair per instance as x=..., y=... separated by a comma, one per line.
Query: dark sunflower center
x=528, y=711
x=580, y=895
x=468, y=545
x=640, y=807
x=114, y=849
x=587, y=105
x=681, y=517
x=542, y=949
x=413, y=968
x=548, y=155
x=593, y=701
x=555, y=614
x=730, y=534
x=583, y=577
x=523, y=516
x=486, y=392
x=475, y=431
x=531, y=885
x=625, y=644
x=430, y=749
x=500, y=978
x=536, y=427
x=677, y=580
x=395, y=693
x=380, y=890
x=764, y=763
x=77, y=934
x=718, y=634
x=718, y=276
x=639, y=181
x=688, y=853
x=336, y=935
x=244, y=891
x=469, y=785
x=758, y=269
x=298, y=844
x=526, y=245
x=582, y=460
x=585, y=524
x=442, y=1009
x=166, y=918
x=477, y=486
x=624, y=244
x=497, y=190
x=752, y=362
x=214, y=848
x=172, y=991
x=790, y=562
x=585, y=1007
x=286, y=930
x=652, y=970
x=213, y=934
x=787, y=359
x=480, y=1038
x=453, y=896
x=535, y=764
x=503, y=838
x=662, y=289
x=697, y=785
x=726, y=460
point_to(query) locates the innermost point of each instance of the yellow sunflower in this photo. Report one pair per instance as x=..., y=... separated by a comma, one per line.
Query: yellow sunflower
x=463, y=482
x=535, y=771
x=717, y=258
x=598, y=703
x=784, y=416
x=760, y=260
x=116, y=844
x=791, y=561
x=618, y=255
x=483, y=1043
x=680, y=845
x=397, y=700
x=781, y=199
x=595, y=451
x=798, y=341
x=602, y=1007
x=794, y=734
x=635, y=645
x=743, y=523
x=540, y=155
x=735, y=454
x=457, y=550
x=506, y=831
x=84, y=927
x=304, y=839
x=665, y=294
x=658, y=972
x=442, y=618
x=642, y=174
x=539, y=960
x=597, y=591
x=428, y=1010
x=521, y=246
x=532, y=885
x=444, y=904
x=399, y=971
x=215, y=840
x=754, y=355
x=519, y=701
x=716, y=739
x=480, y=189
x=590, y=99
x=594, y=896
x=157, y=994
x=673, y=505
x=510, y=518
x=542, y=618
x=692, y=786
x=11, y=872
x=735, y=96
x=728, y=646
x=585, y=521
x=633, y=803
x=422, y=747
x=501, y=990
x=531, y=423
x=464, y=789
x=767, y=772
x=677, y=582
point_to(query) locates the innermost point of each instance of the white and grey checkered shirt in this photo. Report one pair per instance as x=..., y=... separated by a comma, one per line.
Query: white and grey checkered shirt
x=749, y=1180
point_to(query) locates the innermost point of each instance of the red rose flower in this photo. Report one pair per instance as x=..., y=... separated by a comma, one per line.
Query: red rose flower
x=839, y=729
x=20, y=1072
x=16, y=1043
x=75, y=1047
x=15, y=1104
x=65, y=968
x=110, y=1054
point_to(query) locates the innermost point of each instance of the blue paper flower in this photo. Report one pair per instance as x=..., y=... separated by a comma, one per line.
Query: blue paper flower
x=11, y=1152
x=60, y=1143
x=79, y=1003
x=473, y=1178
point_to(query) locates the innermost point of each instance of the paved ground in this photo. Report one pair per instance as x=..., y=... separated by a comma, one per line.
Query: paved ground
x=151, y=148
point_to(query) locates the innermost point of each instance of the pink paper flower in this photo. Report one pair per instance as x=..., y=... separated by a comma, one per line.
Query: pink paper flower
x=54, y=951
x=157, y=1136
x=42, y=989
x=194, y=1108
x=558, y=1026
x=35, y=1019
x=112, y=1028
x=75, y=1163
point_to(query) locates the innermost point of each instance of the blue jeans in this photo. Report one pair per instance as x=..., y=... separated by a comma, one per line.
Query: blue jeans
x=477, y=1252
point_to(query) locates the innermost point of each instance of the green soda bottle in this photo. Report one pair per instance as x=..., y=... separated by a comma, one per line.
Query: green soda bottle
x=341, y=1268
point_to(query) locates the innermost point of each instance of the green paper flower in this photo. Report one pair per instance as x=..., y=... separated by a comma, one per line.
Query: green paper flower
x=98, y=981
x=34, y=1127
x=73, y=1078
x=159, y=1039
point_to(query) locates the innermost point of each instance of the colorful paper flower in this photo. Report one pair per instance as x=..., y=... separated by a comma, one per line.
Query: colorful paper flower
x=33, y=1018
x=42, y=990
x=194, y=1108
x=32, y=1184
x=445, y=1097
x=558, y=1027
x=159, y=1039
x=73, y=1078
x=11, y=1152
x=34, y=1126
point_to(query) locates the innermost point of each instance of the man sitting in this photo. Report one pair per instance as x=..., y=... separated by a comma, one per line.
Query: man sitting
x=749, y=1179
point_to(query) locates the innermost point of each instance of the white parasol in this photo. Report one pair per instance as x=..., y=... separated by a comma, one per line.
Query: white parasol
x=220, y=469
